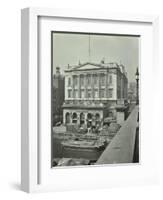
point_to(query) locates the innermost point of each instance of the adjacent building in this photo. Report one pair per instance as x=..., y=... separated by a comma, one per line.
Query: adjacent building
x=92, y=92
x=58, y=96
x=132, y=92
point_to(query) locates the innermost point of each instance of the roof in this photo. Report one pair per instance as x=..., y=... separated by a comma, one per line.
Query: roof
x=96, y=66
x=91, y=65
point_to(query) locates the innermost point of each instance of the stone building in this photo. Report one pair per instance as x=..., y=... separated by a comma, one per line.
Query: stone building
x=92, y=91
x=58, y=91
x=132, y=91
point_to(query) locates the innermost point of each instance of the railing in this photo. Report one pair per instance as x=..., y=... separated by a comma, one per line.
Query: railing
x=124, y=146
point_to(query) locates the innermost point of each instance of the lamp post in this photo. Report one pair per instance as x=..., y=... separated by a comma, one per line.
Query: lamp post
x=137, y=86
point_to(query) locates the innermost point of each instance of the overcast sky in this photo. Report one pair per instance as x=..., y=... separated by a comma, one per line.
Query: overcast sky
x=70, y=48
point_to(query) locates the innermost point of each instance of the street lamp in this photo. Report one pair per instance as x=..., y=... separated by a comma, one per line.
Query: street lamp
x=137, y=86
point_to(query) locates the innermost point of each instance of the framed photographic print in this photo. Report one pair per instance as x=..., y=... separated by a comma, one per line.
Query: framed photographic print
x=86, y=100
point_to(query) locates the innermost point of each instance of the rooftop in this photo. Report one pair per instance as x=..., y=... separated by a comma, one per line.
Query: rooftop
x=92, y=65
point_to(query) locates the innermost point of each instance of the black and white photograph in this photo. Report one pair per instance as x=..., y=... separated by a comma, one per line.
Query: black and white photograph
x=94, y=99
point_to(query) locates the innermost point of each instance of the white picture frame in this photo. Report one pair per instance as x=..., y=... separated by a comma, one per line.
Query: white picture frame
x=32, y=167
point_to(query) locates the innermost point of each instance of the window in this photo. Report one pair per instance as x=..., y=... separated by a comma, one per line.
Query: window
x=69, y=81
x=110, y=93
x=75, y=80
x=81, y=80
x=74, y=118
x=89, y=93
x=102, y=79
x=96, y=93
x=67, y=117
x=95, y=79
x=88, y=79
x=82, y=93
x=69, y=93
x=75, y=93
x=102, y=92
x=110, y=79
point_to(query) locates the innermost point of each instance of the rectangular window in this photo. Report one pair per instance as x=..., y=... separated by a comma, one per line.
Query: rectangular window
x=88, y=79
x=69, y=93
x=75, y=80
x=110, y=93
x=81, y=80
x=82, y=94
x=75, y=93
x=110, y=79
x=102, y=93
x=69, y=81
x=89, y=93
x=95, y=79
x=96, y=93
x=102, y=79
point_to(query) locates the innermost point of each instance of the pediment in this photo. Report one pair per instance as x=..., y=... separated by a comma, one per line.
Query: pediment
x=87, y=66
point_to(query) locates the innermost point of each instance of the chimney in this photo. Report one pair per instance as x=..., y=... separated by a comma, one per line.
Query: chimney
x=57, y=70
x=103, y=61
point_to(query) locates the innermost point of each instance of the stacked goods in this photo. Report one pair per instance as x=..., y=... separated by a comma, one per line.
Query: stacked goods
x=82, y=129
x=59, y=129
x=72, y=162
x=105, y=130
x=72, y=128
x=114, y=127
x=108, y=120
x=110, y=130
x=69, y=127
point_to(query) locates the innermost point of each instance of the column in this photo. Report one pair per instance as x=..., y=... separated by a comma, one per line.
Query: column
x=92, y=85
x=73, y=87
x=64, y=117
x=121, y=87
x=106, y=85
x=78, y=117
x=70, y=117
x=99, y=87
x=78, y=81
x=85, y=81
x=80, y=86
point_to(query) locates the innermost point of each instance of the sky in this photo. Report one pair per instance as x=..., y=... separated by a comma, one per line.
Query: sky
x=70, y=48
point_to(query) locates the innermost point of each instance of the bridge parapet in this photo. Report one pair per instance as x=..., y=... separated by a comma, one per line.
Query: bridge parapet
x=122, y=147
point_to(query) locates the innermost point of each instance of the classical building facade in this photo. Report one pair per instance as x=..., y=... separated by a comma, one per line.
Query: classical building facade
x=92, y=91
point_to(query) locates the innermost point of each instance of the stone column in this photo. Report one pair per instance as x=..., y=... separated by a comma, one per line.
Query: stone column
x=99, y=87
x=78, y=118
x=64, y=117
x=80, y=86
x=78, y=81
x=70, y=117
x=85, y=81
x=73, y=87
x=122, y=87
x=92, y=85
x=106, y=85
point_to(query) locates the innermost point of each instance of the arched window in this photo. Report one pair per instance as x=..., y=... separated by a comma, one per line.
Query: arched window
x=97, y=116
x=89, y=120
x=74, y=118
x=89, y=116
x=82, y=118
x=67, y=118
